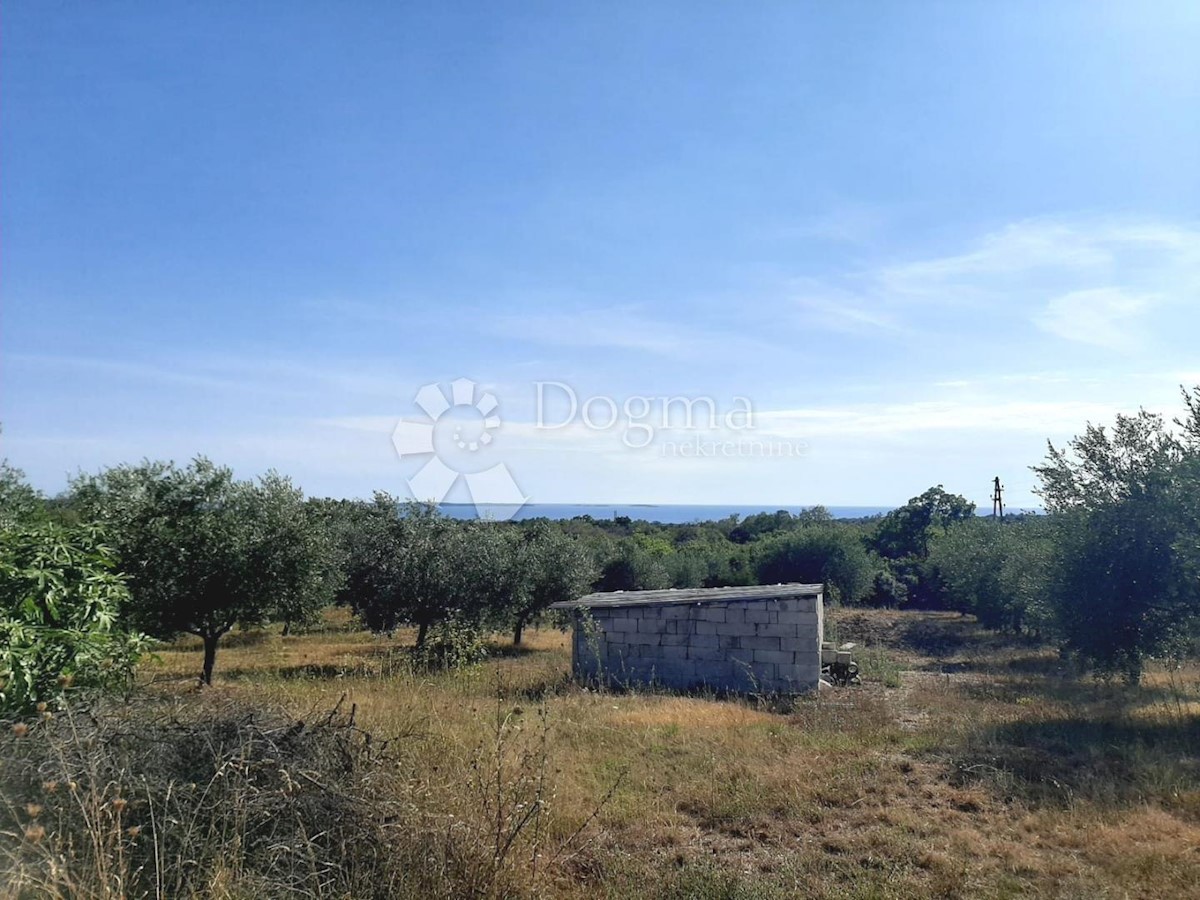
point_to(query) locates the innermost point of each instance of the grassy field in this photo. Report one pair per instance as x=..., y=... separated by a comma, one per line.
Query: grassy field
x=965, y=765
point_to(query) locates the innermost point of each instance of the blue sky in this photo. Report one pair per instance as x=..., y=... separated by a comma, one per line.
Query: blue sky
x=919, y=239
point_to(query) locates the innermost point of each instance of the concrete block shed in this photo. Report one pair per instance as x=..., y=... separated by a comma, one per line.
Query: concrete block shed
x=761, y=639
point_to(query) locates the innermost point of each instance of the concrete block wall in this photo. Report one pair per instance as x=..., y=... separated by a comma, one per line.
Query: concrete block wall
x=751, y=646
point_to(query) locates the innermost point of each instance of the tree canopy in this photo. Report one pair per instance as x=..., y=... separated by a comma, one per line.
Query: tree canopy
x=204, y=552
x=906, y=531
x=1126, y=503
x=546, y=566
x=817, y=553
x=411, y=565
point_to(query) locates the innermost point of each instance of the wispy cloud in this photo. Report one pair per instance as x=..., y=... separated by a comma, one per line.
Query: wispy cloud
x=1045, y=417
x=123, y=369
x=228, y=374
x=843, y=314
x=1088, y=281
x=624, y=328
x=1105, y=317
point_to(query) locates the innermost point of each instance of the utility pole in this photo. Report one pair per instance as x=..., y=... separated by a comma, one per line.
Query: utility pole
x=998, y=499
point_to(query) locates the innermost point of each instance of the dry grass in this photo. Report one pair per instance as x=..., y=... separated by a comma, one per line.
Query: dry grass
x=967, y=765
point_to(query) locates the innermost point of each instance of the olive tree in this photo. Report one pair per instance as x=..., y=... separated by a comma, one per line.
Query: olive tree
x=412, y=565
x=204, y=552
x=543, y=566
x=997, y=570
x=1126, y=506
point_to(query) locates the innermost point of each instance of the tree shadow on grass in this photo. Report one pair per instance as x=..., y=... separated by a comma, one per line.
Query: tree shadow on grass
x=357, y=662
x=950, y=637
x=551, y=686
x=1112, y=761
x=1103, y=701
x=508, y=650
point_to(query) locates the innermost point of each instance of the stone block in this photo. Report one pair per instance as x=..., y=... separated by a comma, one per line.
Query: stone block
x=773, y=629
x=678, y=667
x=741, y=629
x=734, y=614
x=740, y=661
x=777, y=657
x=797, y=673
x=713, y=671
x=650, y=626
x=761, y=642
x=798, y=618
x=759, y=678
x=749, y=646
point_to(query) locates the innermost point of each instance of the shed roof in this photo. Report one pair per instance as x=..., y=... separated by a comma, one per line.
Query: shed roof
x=691, y=595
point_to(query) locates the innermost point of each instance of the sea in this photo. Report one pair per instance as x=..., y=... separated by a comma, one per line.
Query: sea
x=666, y=513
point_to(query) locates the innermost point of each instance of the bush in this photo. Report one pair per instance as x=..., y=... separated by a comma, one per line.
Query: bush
x=220, y=798
x=828, y=554
x=451, y=644
x=225, y=799
x=59, y=602
x=998, y=571
x=887, y=590
x=634, y=569
x=1126, y=510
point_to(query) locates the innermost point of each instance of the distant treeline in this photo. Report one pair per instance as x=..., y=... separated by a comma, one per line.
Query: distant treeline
x=1112, y=571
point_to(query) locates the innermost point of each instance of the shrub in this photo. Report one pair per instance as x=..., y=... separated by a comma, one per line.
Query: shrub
x=998, y=571
x=819, y=553
x=887, y=590
x=451, y=644
x=634, y=569
x=59, y=603
x=1126, y=507
x=221, y=798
